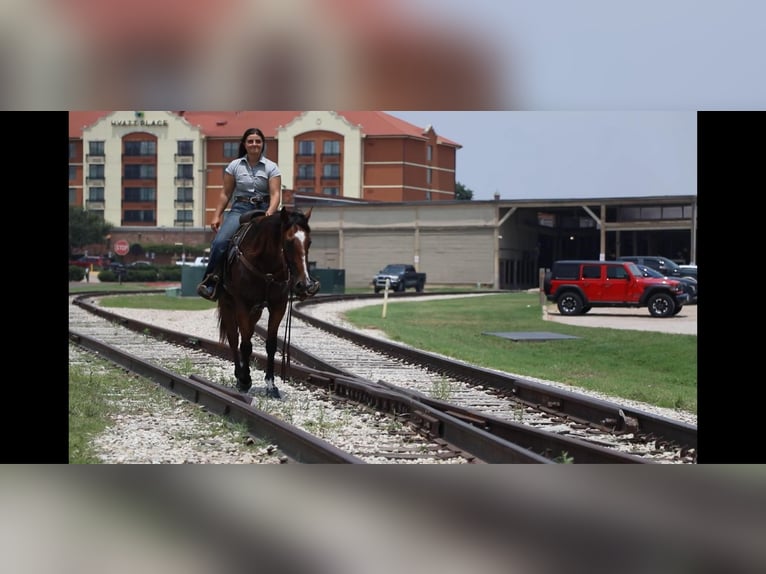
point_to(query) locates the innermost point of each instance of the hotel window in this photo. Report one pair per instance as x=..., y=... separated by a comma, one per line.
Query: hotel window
x=185, y=171
x=306, y=147
x=331, y=147
x=139, y=171
x=95, y=194
x=429, y=152
x=330, y=191
x=331, y=171
x=96, y=171
x=139, y=216
x=72, y=150
x=72, y=195
x=429, y=176
x=184, y=215
x=140, y=194
x=230, y=150
x=72, y=172
x=305, y=190
x=184, y=194
x=96, y=148
x=306, y=171
x=185, y=147
x=141, y=148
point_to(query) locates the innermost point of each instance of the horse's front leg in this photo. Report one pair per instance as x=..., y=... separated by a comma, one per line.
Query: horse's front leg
x=242, y=361
x=271, y=349
x=275, y=318
x=244, y=380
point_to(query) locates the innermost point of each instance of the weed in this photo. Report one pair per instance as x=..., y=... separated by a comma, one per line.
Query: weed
x=441, y=390
x=564, y=458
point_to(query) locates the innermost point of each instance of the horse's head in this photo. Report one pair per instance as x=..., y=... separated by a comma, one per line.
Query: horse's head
x=296, y=236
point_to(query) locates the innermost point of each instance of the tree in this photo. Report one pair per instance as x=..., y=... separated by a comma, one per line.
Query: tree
x=462, y=192
x=85, y=228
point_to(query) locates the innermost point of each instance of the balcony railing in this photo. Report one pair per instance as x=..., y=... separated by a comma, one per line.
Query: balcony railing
x=184, y=181
x=183, y=203
x=95, y=158
x=184, y=158
x=97, y=181
x=332, y=157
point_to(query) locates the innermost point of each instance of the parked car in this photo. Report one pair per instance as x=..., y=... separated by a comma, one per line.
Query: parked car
x=140, y=264
x=667, y=267
x=689, y=283
x=196, y=262
x=577, y=286
x=399, y=276
x=95, y=261
x=689, y=270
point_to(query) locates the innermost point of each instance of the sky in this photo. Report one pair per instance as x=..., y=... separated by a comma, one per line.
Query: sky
x=551, y=155
x=607, y=55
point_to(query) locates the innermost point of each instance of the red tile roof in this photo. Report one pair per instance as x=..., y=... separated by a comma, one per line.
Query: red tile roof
x=81, y=120
x=229, y=124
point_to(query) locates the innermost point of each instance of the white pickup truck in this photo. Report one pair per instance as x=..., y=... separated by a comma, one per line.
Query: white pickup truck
x=197, y=262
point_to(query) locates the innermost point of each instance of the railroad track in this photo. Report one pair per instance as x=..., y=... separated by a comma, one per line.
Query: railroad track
x=488, y=417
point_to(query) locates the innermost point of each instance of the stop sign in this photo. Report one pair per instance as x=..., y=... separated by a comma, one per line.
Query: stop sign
x=121, y=247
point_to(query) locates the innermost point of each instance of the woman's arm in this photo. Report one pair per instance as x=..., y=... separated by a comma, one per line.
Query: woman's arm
x=228, y=188
x=275, y=194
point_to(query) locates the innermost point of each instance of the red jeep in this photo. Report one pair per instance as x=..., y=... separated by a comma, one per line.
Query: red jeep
x=578, y=286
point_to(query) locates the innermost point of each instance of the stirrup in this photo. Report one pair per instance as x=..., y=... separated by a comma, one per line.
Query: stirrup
x=208, y=288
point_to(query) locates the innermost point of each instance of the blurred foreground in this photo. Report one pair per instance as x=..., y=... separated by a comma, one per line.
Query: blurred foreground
x=351, y=54
x=360, y=520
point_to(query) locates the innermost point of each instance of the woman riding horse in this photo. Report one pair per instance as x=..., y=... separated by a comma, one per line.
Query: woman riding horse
x=267, y=265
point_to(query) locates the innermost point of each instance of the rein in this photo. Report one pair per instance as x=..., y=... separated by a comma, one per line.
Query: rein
x=268, y=277
x=286, y=338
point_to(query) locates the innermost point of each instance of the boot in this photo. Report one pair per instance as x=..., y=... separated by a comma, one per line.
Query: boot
x=209, y=287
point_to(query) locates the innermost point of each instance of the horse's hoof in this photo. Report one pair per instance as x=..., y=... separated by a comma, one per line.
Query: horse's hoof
x=244, y=388
x=273, y=393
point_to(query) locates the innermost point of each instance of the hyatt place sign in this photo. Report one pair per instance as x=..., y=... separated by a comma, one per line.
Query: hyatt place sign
x=139, y=122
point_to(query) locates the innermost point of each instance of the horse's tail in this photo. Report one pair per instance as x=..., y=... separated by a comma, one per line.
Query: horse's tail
x=221, y=325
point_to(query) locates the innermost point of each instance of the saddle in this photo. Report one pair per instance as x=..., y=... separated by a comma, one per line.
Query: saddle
x=246, y=221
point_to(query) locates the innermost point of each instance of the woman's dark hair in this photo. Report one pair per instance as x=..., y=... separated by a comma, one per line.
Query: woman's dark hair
x=248, y=132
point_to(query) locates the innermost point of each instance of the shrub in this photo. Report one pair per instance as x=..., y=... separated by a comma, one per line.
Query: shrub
x=76, y=273
x=170, y=273
x=147, y=275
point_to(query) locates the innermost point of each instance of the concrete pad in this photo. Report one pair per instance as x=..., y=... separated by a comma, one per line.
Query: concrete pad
x=530, y=335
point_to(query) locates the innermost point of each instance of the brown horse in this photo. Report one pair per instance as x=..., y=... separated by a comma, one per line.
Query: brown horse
x=266, y=267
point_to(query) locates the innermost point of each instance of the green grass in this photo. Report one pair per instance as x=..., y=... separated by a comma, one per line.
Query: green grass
x=79, y=287
x=655, y=368
x=89, y=411
x=158, y=301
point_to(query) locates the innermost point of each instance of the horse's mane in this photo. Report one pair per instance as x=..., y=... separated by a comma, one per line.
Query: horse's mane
x=266, y=236
x=298, y=218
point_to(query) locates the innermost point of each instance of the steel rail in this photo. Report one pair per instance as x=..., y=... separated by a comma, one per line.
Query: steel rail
x=485, y=438
x=296, y=443
x=605, y=414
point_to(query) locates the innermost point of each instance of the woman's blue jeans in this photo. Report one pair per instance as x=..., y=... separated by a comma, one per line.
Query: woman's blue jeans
x=229, y=226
